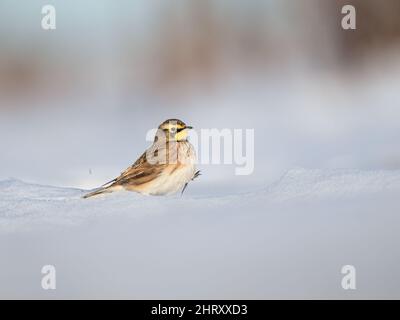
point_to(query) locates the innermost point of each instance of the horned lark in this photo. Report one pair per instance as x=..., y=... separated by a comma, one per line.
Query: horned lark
x=166, y=167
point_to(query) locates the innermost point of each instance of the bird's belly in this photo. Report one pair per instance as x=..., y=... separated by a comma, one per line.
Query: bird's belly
x=170, y=181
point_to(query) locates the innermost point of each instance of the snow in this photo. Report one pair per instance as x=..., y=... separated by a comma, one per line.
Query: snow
x=284, y=231
x=288, y=239
x=334, y=183
x=25, y=205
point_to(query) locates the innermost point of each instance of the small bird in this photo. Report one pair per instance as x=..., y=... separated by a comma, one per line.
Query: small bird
x=166, y=167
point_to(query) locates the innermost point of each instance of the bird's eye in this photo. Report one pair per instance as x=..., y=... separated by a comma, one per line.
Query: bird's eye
x=173, y=130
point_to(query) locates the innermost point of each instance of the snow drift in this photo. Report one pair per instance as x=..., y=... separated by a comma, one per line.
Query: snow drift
x=287, y=240
x=28, y=205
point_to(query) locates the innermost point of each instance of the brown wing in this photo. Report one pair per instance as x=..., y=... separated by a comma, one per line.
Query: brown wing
x=142, y=170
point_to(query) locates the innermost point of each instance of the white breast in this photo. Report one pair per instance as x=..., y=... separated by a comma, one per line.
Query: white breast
x=169, y=183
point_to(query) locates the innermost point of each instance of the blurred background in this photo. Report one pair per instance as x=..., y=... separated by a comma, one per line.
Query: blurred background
x=76, y=102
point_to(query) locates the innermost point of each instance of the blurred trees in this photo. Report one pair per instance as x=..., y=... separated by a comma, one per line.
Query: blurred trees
x=180, y=43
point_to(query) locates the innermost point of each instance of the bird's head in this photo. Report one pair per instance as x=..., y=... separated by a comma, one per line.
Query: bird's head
x=174, y=130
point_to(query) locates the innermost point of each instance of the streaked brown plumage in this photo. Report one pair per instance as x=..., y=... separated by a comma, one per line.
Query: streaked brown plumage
x=166, y=167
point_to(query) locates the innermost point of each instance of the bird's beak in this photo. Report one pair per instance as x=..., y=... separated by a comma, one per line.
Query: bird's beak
x=189, y=127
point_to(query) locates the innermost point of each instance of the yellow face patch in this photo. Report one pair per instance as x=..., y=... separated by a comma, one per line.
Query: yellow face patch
x=181, y=135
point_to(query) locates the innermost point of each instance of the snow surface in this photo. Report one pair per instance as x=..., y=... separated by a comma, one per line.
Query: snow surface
x=286, y=240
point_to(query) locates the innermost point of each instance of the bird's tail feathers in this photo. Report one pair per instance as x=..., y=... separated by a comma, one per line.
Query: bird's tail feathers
x=98, y=192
